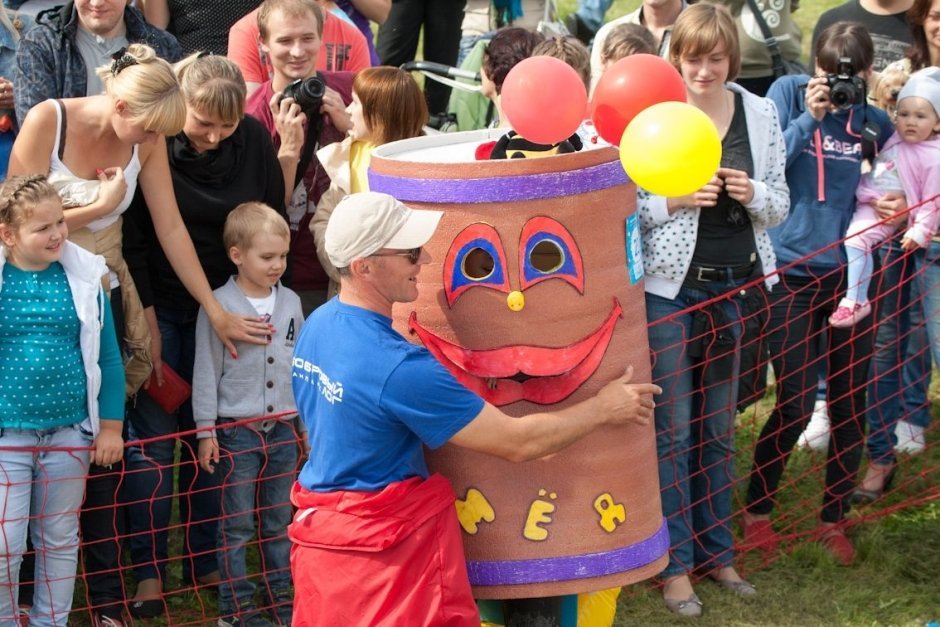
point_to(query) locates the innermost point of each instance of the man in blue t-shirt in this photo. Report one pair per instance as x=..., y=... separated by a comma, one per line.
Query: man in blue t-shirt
x=376, y=538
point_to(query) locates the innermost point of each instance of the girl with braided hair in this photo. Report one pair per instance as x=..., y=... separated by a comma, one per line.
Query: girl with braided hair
x=62, y=391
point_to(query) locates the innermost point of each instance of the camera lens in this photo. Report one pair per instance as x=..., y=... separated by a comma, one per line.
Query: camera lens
x=307, y=93
x=843, y=95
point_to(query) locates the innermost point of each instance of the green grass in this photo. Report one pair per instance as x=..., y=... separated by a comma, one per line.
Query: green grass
x=893, y=582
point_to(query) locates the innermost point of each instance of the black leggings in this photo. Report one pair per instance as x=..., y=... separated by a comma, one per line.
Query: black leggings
x=799, y=312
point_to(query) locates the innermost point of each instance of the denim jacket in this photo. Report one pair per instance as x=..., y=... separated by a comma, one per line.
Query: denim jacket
x=49, y=65
x=22, y=23
x=8, y=44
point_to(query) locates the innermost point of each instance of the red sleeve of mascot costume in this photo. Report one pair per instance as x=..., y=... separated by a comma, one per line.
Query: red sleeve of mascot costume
x=392, y=557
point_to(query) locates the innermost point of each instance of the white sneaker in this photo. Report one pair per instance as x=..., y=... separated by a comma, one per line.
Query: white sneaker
x=816, y=434
x=910, y=438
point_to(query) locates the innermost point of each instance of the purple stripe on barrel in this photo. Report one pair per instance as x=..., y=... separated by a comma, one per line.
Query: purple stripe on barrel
x=503, y=189
x=509, y=572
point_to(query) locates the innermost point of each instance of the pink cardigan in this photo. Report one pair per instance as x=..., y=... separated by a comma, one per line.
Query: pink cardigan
x=919, y=169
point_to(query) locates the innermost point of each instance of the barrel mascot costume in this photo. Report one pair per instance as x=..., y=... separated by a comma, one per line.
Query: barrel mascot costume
x=534, y=300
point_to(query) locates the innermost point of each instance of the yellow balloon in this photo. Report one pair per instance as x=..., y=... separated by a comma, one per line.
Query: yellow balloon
x=671, y=149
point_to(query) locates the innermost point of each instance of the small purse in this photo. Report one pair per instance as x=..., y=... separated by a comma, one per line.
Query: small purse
x=173, y=393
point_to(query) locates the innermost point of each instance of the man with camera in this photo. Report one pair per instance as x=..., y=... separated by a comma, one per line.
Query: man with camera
x=303, y=110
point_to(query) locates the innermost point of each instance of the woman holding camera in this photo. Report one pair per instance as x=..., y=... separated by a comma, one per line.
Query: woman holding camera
x=827, y=139
x=700, y=250
x=221, y=159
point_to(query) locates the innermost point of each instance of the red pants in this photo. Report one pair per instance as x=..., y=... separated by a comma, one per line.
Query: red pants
x=392, y=557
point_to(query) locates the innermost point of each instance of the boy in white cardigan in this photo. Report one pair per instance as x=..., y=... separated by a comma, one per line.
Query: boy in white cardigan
x=258, y=457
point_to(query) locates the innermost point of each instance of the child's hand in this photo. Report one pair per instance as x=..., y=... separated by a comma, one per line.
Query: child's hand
x=908, y=244
x=208, y=454
x=109, y=445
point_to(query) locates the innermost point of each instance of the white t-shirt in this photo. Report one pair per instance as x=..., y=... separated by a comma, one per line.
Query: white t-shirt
x=264, y=306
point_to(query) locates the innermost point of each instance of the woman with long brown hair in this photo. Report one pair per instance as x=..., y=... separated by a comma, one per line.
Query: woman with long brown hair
x=387, y=105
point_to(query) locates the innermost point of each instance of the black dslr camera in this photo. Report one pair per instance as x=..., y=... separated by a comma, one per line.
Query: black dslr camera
x=306, y=92
x=845, y=88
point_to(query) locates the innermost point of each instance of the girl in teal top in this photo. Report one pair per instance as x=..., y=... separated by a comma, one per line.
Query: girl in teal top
x=61, y=392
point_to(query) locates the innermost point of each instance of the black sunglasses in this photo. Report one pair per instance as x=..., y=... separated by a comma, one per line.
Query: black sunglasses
x=413, y=255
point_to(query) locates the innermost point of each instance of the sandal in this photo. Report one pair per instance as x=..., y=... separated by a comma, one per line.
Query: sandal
x=863, y=496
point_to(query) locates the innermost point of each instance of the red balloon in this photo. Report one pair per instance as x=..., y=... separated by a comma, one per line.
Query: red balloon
x=544, y=99
x=629, y=86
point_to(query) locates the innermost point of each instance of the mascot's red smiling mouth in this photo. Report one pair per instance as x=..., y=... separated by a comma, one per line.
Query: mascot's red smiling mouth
x=509, y=374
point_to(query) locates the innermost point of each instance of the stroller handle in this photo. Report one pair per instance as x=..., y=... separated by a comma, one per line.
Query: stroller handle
x=440, y=69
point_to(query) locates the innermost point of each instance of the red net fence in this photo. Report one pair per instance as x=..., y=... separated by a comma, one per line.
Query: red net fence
x=744, y=372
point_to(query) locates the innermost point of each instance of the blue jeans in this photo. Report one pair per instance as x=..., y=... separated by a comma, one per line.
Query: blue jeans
x=592, y=12
x=257, y=470
x=900, y=366
x=41, y=490
x=928, y=284
x=695, y=423
x=149, y=482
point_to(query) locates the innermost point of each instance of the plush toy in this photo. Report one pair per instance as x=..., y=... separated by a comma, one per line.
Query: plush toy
x=514, y=146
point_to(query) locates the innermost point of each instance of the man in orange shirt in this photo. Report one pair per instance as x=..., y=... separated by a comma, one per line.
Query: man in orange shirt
x=343, y=48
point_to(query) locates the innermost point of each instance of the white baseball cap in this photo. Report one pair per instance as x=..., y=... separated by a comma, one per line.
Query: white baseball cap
x=366, y=222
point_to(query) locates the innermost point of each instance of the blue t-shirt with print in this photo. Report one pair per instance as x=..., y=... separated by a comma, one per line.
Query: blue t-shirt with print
x=370, y=401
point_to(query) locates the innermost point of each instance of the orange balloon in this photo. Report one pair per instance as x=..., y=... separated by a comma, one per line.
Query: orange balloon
x=629, y=86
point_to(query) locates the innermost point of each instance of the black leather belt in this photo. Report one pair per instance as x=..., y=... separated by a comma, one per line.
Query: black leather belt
x=706, y=274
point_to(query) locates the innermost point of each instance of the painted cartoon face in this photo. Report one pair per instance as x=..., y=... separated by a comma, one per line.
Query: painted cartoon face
x=534, y=301
x=545, y=375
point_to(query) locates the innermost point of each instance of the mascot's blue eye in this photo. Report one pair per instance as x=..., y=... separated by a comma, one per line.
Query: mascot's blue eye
x=546, y=251
x=475, y=258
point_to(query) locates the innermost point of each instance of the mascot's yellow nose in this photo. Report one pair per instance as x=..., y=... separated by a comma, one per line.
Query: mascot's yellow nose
x=515, y=301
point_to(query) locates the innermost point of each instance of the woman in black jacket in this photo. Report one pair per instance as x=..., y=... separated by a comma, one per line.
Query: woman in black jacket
x=220, y=159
